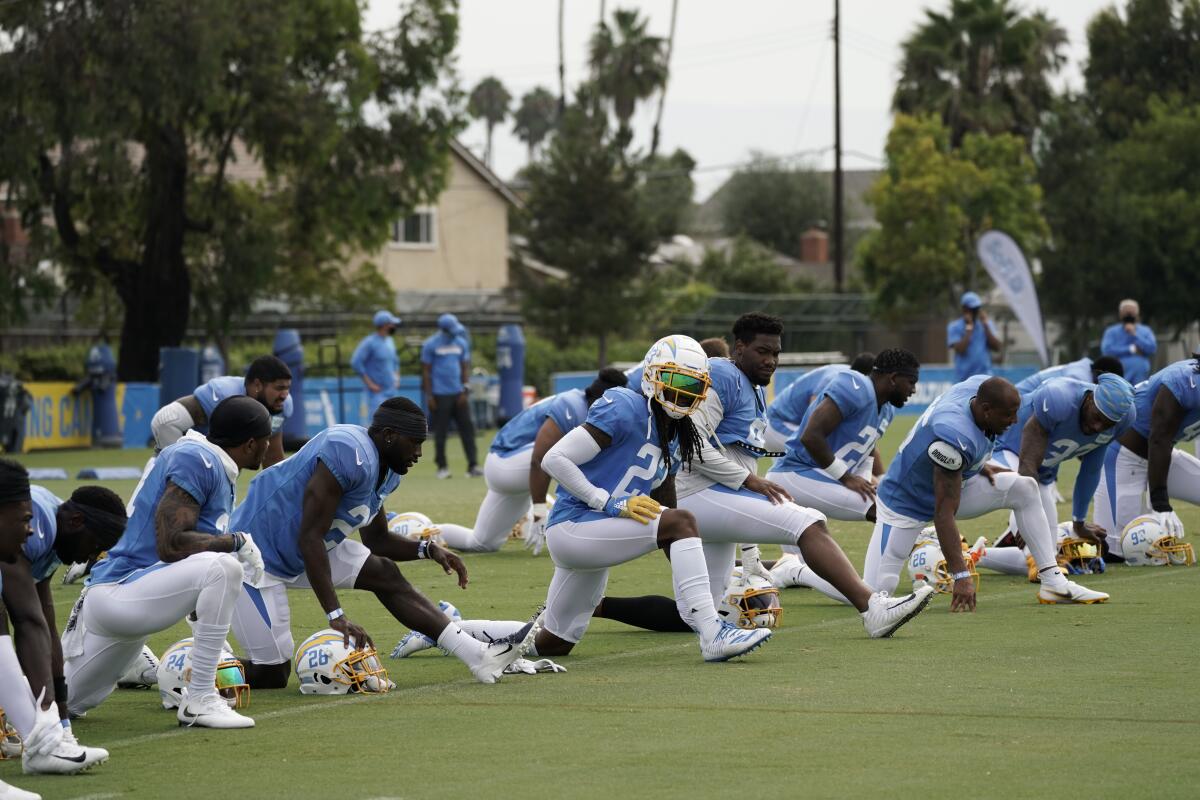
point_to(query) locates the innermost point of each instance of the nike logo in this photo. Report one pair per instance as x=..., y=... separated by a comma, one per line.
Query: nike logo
x=960, y=443
x=79, y=759
x=854, y=382
x=207, y=463
x=357, y=457
x=608, y=400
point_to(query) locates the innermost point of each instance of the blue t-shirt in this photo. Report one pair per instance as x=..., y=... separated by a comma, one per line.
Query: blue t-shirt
x=445, y=355
x=39, y=547
x=194, y=466
x=977, y=360
x=788, y=408
x=863, y=422
x=1080, y=370
x=208, y=395
x=632, y=464
x=743, y=406
x=1180, y=379
x=907, y=488
x=376, y=358
x=1117, y=342
x=568, y=410
x=274, y=505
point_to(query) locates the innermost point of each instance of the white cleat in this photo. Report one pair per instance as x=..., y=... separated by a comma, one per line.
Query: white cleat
x=885, y=614
x=67, y=759
x=503, y=652
x=413, y=642
x=209, y=710
x=732, y=641
x=10, y=792
x=142, y=672
x=786, y=572
x=1069, y=593
x=76, y=571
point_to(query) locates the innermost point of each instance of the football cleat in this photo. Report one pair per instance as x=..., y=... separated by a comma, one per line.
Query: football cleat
x=67, y=759
x=10, y=792
x=443, y=474
x=786, y=572
x=142, y=672
x=1070, y=593
x=500, y=654
x=209, y=711
x=731, y=642
x=886, y=614
x=415, y=641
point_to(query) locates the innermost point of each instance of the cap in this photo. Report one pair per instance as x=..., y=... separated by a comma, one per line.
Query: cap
x=450, y=324
x=1113, y=396
x=971, y=300
x=383, y=317
x=238, y=419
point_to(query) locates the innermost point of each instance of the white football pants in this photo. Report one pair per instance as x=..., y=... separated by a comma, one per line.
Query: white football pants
x=1047, y=491
x=1125, y=494
x=505, y=505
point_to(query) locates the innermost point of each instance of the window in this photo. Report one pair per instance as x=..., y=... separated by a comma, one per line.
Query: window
x=417, y=230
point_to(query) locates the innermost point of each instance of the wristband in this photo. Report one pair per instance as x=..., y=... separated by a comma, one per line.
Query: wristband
x=60, y=689
x=958, y=576
x=423, y=549
x=837, y=469
x=335, y=614
x=239, y=540
x=1160, y=501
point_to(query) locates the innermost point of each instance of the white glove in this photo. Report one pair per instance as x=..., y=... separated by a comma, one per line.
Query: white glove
x=1171, y=524
x=752, y=563
x=251, y=558
x=535, y=539
x=47, y=731
x=523, y=666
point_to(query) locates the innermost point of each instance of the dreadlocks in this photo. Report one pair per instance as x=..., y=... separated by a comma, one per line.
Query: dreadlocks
x=681, y=430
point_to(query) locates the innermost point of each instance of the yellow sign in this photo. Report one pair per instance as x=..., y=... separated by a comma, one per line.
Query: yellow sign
x=57, y=418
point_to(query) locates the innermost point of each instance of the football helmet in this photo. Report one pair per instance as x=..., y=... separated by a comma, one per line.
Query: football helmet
x=1077, y=556
x=175, y=670
x=325, y=665
x=413, y=525
x=751, y=602
x=675, y=373
x=1144, y=543
x=927, y=564
x=10, y=740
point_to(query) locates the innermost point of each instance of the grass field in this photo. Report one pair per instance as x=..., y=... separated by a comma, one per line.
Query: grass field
x=1016, y=700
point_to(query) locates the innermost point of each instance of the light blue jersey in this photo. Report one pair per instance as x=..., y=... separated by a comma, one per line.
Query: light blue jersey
x=445, y=354
x=787, y=410
x=39, y=547
x=568, y=410
x=907, y=488
x=1080, y=370
x=632, y=464
x=208, y=395
x=743, y=407
x=375, y=357
x=863, y=422
x=1181, y=380
x=273, y=507
x=196, y=467
x=1056, y=404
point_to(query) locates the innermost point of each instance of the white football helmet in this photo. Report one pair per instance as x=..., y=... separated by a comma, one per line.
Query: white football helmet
x=325, y=665
x=927, y=564
x=175, y=671
x=750, y=602
x=676, y=375
x=10, y=740
x=412, y=525
x=1144, y=543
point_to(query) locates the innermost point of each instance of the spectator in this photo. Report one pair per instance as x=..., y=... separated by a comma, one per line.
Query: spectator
x=376, y=362
x=445, y=367
x=972, y=337
x=715, y=347
x=1131, y=342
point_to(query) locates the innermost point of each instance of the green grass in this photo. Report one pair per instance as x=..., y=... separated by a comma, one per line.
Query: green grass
x=1016, y=700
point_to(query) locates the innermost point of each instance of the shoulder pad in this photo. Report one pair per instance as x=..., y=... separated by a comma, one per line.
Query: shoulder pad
x=945, y=455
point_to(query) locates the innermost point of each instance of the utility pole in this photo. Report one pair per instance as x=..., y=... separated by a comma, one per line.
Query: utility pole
x=839, y=236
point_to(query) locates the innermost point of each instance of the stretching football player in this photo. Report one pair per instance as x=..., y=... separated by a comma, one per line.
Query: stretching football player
x=175, y=558
x=732, y=504
x=788, y=408
x=513, y=468
x=302, y=511
x=1087, y=370
x=76, y=530
x=942, y=473
x=1145, y=457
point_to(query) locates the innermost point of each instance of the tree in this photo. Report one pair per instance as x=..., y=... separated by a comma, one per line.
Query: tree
x=746, y=267
x=535, y=117
x=773, y=203
x=662, y=96
x=599, y=237
x=123, y=120
x=933, y=202
x=489, y=102
x=666, y=191
x=629, y=65
x=983, y=67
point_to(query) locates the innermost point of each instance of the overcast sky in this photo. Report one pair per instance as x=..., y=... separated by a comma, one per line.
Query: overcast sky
x=754, y=75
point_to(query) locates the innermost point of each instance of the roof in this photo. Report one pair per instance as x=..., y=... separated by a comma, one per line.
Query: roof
x=486, y=173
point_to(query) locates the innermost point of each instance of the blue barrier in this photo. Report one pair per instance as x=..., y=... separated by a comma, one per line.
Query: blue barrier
x=321, y=401
x=138, y=405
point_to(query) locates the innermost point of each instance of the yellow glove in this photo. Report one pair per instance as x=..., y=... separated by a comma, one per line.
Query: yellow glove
x=639, y=507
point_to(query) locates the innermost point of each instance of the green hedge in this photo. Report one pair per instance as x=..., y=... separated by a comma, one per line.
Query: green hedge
x=57, y=363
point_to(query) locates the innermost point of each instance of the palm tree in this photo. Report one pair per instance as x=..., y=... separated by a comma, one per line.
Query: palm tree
x=489, y=102
x=662, y=97
x=982, y=66
x=562, y=69
x=629, y=65
x=535, y=117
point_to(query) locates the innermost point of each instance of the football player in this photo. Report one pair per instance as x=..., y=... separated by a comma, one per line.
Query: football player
x=76, y=530
x=301, y=512
x=513, y=468
x=175, y=557
x=1061, y=419
x=789, y=406
x=1145, y=457
x=941, y=472
x=732, y=504
x=1085, y=369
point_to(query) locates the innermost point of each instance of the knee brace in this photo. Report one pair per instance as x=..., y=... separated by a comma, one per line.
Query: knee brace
x=170, y=423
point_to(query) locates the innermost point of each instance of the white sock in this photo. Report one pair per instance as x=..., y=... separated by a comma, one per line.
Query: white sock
x=16, y=698
x=460, y=644
x=207, y=641
x=458, y=537
x=812, y=580
x=693, y=597
x=1008, y=560
x=793, y=549
x=489, y=630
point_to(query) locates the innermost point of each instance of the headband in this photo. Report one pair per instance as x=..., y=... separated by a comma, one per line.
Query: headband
x=406, y=423
x=106, y=525
x=15, y=490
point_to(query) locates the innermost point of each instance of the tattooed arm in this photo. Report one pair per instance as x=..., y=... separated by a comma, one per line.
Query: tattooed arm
x=175, y=523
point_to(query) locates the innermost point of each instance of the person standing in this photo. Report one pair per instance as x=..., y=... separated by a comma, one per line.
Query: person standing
x=1131, y=342
x=376, y=362
x=445, y=368
x=973, y=339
